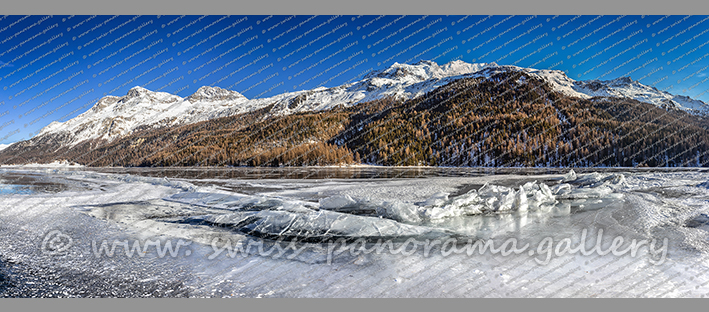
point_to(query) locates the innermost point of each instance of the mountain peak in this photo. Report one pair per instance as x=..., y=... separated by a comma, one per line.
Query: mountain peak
x=422, y=62
x=137, y=91
x=426, y=69
x=622, y=80
x=207, y=93
x=457, y=63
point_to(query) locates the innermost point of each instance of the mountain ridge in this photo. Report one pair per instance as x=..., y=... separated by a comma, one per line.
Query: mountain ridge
x=113, y=116
x=510, y=119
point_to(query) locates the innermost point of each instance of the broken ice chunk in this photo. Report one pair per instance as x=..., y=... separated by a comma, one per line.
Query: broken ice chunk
x=336, y=202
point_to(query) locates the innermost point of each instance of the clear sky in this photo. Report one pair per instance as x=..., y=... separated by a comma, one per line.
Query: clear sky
x=53, y=68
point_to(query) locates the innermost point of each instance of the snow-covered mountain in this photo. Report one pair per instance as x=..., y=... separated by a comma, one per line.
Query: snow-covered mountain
x=3, y=146
x=112, y=116
x=622, y=87
x=625, y=87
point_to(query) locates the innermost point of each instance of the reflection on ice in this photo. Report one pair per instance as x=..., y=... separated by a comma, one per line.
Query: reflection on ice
x=14, y=189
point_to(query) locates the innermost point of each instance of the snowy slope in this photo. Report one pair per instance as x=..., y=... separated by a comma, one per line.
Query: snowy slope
x=3, y=146
x=625, y=87
x=112, y=116
x=622, y=87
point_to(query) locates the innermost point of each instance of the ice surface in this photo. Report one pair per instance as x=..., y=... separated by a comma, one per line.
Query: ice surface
x=571, y=176
x=399, y=211
x=317, y=226
x=704, y=185
x=336, y=202
x=490, y=198
x=54, y=164
x=96, y=207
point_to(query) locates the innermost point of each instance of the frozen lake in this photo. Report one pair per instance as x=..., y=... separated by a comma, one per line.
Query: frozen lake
x=353, y=232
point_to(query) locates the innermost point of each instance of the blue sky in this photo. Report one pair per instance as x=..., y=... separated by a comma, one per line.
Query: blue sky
x=53, y=68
